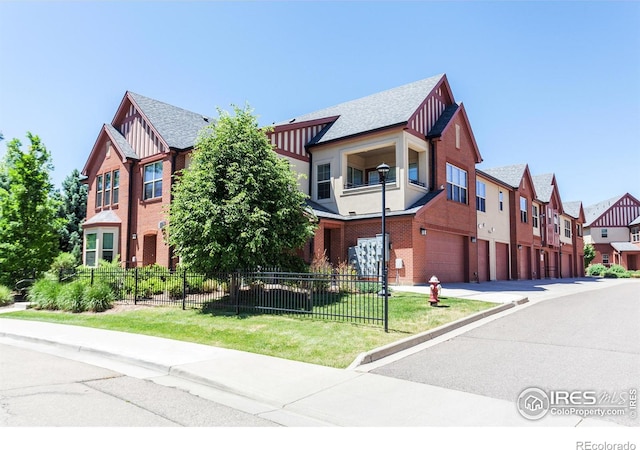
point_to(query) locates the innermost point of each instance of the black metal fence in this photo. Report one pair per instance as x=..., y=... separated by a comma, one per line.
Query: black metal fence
x=334, y=296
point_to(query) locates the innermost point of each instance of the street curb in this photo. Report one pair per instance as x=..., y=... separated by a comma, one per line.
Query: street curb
x=404, y=344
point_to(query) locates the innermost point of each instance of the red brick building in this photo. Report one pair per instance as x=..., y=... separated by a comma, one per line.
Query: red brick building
x=435, y=196
x=613, y=227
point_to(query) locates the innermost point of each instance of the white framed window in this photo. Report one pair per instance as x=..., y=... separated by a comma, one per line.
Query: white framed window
x=604, y=233
x=567, y=228
x=556, y=224
x=534, y=216
x=115, y=196
x=523, y=210
x=500, y=201
x=635, y=234
x=100, y=243
x=99, y=189
x=457, y=136
x=456, y=184
x=107, y=188
x=90, y=249
x=481, y=196
x=152, y=180
x=323, y=181
x=579, y=229
x=605, y=258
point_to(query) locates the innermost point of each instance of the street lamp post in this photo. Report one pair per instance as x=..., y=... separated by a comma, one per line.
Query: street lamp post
x=383, y=171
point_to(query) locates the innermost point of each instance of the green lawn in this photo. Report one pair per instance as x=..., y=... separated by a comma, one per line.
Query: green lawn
x=328, y=343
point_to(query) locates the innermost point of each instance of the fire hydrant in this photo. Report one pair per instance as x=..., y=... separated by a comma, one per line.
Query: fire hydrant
x=435, y=289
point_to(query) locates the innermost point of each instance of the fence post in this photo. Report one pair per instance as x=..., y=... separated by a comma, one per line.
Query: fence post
x=184, y=288
x=135, y=286
x=233, y=291
x=92, y=270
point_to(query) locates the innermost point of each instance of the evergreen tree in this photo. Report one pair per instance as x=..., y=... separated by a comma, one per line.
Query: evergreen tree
x=73, y=210
x=28, y=223
x=238, y=206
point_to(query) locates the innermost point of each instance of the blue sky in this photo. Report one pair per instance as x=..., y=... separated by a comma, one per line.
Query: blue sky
x=552, y=84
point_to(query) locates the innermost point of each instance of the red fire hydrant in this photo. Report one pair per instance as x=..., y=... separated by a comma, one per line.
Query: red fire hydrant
x=434, y=290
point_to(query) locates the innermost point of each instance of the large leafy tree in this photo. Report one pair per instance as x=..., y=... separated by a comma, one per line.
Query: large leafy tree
x=238, y=206
x=28, y=223
x=73, y=210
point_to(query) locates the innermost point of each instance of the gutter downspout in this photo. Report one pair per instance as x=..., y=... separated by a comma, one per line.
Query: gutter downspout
x=128, y=256
x=174, y=155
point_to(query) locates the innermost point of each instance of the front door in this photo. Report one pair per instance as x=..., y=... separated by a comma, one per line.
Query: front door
x=149, y=250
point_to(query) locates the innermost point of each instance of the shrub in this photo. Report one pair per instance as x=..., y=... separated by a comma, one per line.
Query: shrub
x=635, y=274
x=5, y=296
x=99, y=297
x=175, y=291
x=596, y=270
x=321, y=269
x=609, y=274
x=64, y=262
x=616, y=268
x=71, y=296
x=368, y=287
x=43, y=294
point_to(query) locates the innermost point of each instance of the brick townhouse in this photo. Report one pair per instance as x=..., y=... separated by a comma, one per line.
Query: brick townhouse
x=613, y=227
x=444, y=216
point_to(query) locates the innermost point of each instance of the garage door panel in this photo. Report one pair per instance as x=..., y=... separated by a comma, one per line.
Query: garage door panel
x=445, y=256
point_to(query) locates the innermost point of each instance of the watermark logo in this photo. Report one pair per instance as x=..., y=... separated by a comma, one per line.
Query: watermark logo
x=534, y=403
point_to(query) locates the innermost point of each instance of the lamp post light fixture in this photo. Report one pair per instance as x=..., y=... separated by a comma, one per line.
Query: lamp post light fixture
x=383, y=171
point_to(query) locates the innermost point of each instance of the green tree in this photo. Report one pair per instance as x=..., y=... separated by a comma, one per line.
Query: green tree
x=589, y=254
x=238, y=206
x=28, y=223
x=73, y=210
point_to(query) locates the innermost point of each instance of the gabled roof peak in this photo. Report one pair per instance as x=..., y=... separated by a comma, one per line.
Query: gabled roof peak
x=178, y=127
x=373, y=112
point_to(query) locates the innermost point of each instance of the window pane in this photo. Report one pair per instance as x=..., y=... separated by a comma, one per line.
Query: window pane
x=107, y=197
x=374, y=177
x=107, y=241
x=148, y=172
x=324, y=190
x=157, y=188
x=91, y=241
x=90, y=258
x=107, y=181
x=107, y=255
x=116, y=178
x=116, y=194
x=99, y=183
x=158, y=170
x=148, y=191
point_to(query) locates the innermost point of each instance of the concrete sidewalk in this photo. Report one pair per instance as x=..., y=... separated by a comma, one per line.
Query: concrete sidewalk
x=287, y=392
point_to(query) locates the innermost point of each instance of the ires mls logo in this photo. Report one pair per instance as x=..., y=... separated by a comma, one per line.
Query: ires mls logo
x=534, y=403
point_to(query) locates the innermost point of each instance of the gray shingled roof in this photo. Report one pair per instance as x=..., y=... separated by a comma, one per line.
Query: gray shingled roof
x=592, y=212
x=121, y=142
x=543, y=186
x=177, y=126
x=107, y=216
x=511, y=175
x=636, y=221
x=322, y=212
x=572, y=208
x=626, y=246
x=384, y=109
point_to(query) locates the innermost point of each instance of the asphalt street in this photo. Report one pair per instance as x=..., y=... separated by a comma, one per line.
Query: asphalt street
x=584, y=341
x=42, y=390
